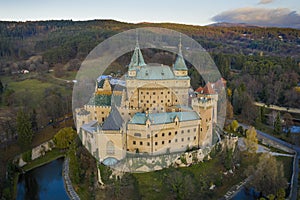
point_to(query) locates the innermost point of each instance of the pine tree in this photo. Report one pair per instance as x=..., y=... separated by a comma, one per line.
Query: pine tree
x=24, y=130
x=1, y=87
x=277, y=124
x=33, y=120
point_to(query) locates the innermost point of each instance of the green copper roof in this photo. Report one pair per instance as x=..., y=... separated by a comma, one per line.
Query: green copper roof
x=137, y=58
x=100, y=100
x=155, y=72
x=163, y=118
x=179, y=63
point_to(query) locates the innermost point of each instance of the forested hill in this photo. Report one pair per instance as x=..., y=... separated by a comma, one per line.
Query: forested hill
x=261, y=64
x=60, y=41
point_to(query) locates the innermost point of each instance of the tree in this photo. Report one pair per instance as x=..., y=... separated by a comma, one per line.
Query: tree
x=267, y=176
x=288, y=120
x=234, y=125
x=277, y=124
x=180, y=183
x=25, y=133
x=64, y=137
x=33, y=120
x=1, y=87
x=251, y=140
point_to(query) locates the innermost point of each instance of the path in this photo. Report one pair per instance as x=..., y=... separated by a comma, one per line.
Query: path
x=68, y=184
x=274, y=107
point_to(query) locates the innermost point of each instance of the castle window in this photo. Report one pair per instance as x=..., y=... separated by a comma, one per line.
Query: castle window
x=134, y=142
x=155, y=135
x=182, y=139
x=168, y=92
x=162, y=93
x=95, y=112
x=102, y=119
x=194, y=137
x=147, y=101
x=188, y=138
x=141, y=143
x=170, y=133
x=195, y=129
x=110, y=148
x=154, y=101
x=148, y=135
x=137, y=135
x=153, y=93
x=200, y=129
x=141, y=92
x=175, y=132
x=163, y=134
x=188, y=130
x=182, y=132
x=169, y=141
x=95, y=118
x=147, y=92
x=155, y=143
x=168, y=100
x=141, y=101
x=161, y=108
x=102, y=113
x=162, y=101
x=163, y=142
x=148, y=143
x=175, y=140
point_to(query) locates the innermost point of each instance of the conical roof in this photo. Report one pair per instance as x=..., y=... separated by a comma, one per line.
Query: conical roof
x=179, y=63
x=137, y=57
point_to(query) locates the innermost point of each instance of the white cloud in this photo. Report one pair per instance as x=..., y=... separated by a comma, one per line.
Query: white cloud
x=279, y=17
x=265, y=1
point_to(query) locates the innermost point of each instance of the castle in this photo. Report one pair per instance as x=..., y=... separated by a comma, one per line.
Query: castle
x=154, y=113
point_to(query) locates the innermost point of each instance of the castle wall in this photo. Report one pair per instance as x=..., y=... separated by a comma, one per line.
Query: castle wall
x=159, y=138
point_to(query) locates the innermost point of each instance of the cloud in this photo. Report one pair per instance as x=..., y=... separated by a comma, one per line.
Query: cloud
x=265, y=1
x=279, y=17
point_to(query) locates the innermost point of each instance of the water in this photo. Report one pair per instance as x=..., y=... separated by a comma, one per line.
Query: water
x=246, y=194
x=45, y=182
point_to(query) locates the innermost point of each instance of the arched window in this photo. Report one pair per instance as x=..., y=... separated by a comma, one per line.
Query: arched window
x=110, y=148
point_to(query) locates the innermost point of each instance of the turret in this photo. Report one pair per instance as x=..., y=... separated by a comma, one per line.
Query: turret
x=137, y=61
x=180, y=68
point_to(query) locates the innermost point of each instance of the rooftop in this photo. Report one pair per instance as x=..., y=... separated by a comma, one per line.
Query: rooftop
x=163, y=118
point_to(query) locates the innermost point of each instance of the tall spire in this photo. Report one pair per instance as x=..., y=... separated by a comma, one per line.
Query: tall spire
x=179, y=63
x=137, y=57
x=180, y=46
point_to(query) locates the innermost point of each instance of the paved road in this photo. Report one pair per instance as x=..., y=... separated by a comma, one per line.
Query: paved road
x=274, y=107
x=297, y=156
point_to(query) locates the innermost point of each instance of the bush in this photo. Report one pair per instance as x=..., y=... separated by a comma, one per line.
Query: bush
x=27, y=156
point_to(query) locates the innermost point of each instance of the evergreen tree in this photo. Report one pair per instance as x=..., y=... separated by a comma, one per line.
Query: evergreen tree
x=33, y=119
x=24, y=130
x=277, y=124
x=1, y=87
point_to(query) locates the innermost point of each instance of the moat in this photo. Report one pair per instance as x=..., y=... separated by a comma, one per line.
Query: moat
x=44, y=182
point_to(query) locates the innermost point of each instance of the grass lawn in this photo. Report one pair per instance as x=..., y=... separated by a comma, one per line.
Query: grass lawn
x=48, y=157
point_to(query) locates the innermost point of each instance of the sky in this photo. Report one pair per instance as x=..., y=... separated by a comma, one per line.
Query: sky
x=282, y=13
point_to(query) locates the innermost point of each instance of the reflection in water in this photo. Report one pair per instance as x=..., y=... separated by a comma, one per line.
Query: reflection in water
x=245, y=193
x=45, y=182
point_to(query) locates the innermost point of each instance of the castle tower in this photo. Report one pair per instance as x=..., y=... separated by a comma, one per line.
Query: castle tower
x=136, y=61
x=180, y=68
